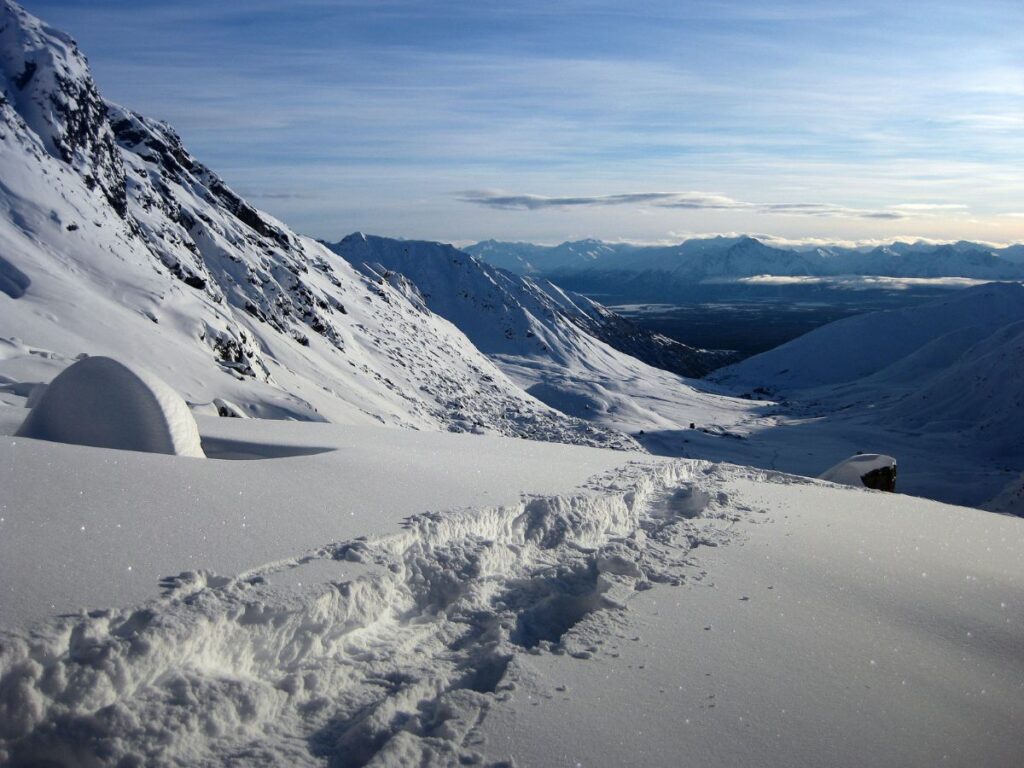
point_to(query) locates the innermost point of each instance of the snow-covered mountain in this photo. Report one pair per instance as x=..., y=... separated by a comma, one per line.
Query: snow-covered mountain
x=718, y=258
x=115, y=240
x=939, y=385
x=924, y=260
x=926, y=338
x=550, y=341
x=509, y=315
x=529, y=259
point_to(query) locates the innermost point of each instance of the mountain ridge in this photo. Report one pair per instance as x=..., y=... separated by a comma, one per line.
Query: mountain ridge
x=697, y=259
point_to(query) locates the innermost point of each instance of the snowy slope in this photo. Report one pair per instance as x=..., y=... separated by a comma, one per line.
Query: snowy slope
x=506, y=314
x=938, y=386
x=851, y=629
x=859, y=346
x=550, y=341
x=981, y=394
x=114, y=240
x=658, y=609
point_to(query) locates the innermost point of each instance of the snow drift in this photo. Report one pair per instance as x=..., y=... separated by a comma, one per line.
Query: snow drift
x=107, y=404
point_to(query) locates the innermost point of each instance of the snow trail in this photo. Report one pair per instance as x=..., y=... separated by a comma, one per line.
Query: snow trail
x=402, y=658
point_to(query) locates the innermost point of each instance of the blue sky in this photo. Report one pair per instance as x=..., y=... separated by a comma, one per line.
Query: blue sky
x=545, y=121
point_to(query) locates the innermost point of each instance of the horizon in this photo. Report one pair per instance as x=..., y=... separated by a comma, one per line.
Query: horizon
x=816, y=123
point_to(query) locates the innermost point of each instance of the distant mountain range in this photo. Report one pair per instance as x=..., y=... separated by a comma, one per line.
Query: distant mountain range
x=725, y=258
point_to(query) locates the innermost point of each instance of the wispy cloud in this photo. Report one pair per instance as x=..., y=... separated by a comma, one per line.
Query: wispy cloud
x=684, y=200
x=927, y=207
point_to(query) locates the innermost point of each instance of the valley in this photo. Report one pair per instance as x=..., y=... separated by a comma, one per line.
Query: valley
x=751, y=318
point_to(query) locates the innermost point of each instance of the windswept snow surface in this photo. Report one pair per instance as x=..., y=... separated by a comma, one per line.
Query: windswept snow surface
x=851, y=628
x=92, y=527
x=350, y=609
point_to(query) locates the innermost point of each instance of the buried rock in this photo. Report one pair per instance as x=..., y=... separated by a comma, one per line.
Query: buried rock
x=103, y=403
x=865, y=470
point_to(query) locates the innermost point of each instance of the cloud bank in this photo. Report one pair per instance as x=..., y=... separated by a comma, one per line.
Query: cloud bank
x=688, y=201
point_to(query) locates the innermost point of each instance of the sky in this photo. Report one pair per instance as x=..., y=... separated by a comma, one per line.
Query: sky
x=646, y=120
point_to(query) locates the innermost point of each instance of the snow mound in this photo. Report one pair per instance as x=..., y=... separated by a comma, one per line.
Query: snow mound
x=865, y=470
x=101, y=402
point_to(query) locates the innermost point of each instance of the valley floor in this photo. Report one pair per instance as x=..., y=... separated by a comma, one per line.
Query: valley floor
x=375, y=596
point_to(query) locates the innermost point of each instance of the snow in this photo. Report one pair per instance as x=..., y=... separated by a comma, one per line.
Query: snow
x=937, y=386
x=849, y=628
x=713, y=259
x=87, y=526
x=584, y=626
x=859, y=346
x=537, y=335
x=105, y=403
x=117, y=242
x=508, y=315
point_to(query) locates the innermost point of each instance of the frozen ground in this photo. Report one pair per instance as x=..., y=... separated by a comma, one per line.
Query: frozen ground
x=427, y=598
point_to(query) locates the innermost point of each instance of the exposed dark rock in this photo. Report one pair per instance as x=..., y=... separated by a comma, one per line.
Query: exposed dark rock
x=881, y=479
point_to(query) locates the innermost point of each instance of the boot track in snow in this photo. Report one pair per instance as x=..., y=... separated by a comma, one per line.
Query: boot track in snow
x=398, y=661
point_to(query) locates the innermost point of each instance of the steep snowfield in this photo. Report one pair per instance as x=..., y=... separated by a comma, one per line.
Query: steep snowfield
x=504, y=314
x=391, y=601
x=550, y=341
x=115, y=241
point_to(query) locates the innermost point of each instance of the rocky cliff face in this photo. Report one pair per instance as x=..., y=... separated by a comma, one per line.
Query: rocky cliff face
x=46, y=81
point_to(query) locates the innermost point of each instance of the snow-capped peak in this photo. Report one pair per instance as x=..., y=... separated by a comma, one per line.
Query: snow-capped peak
x=46, y=82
